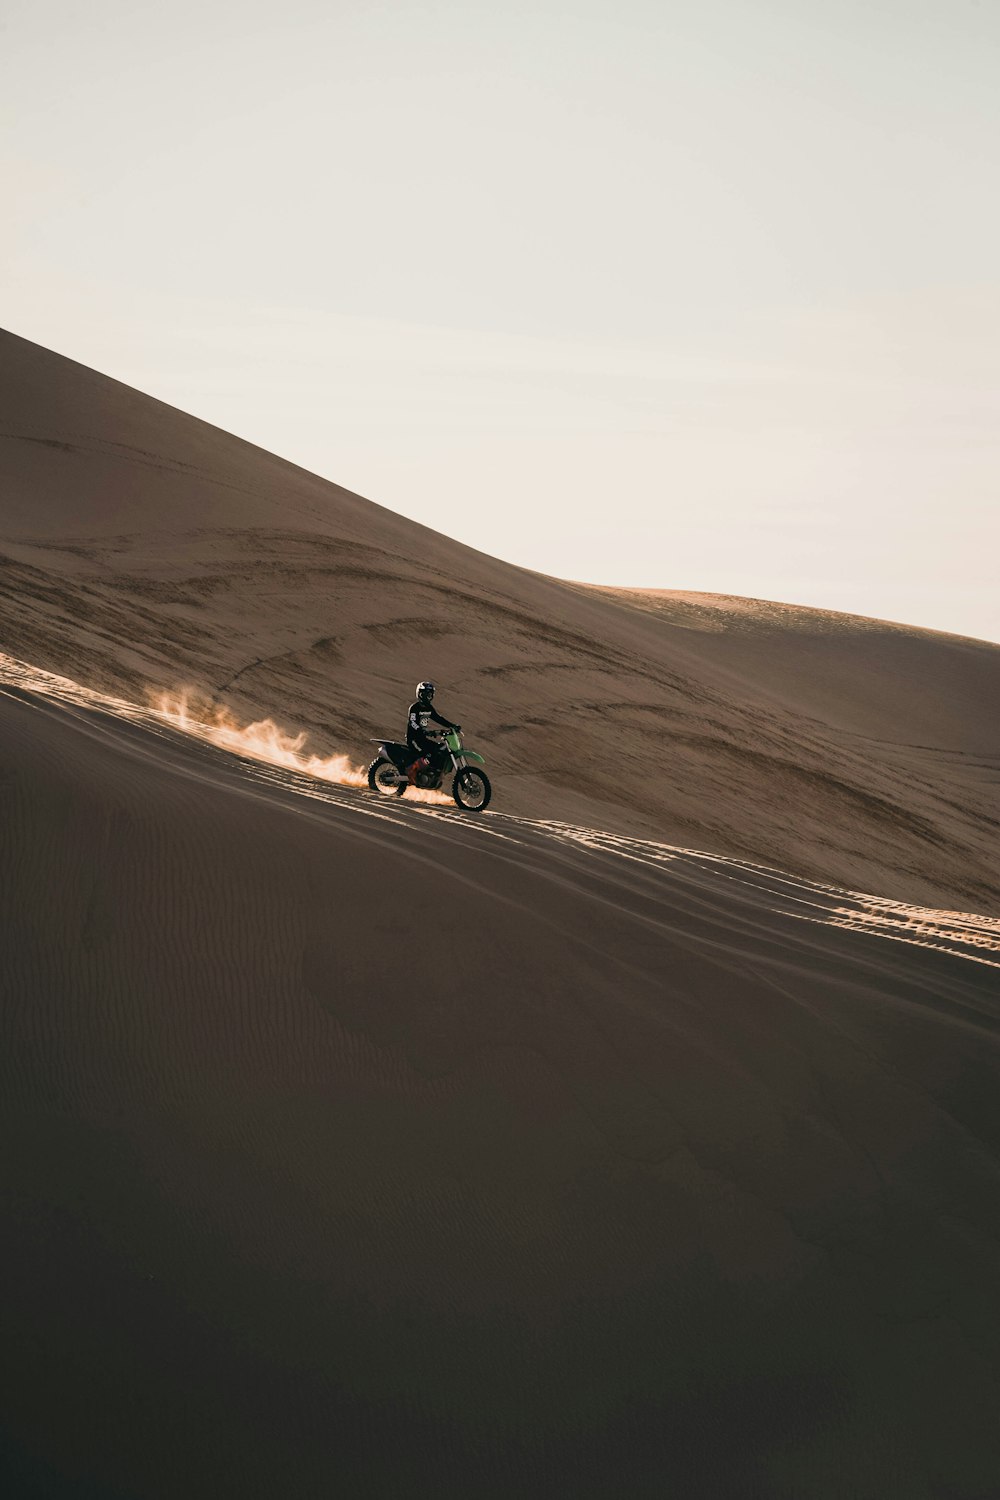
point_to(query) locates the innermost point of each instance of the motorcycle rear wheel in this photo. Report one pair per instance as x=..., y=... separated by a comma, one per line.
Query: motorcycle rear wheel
x=383, y=777
x=471, y=789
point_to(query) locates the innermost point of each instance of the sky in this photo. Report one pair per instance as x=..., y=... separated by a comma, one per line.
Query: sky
x=695, y=296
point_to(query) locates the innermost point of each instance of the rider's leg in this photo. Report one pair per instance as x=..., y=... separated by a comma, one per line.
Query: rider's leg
x=419, y=763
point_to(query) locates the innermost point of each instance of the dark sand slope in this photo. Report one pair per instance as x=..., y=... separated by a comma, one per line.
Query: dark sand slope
x=359, y=1150
x=140, y=546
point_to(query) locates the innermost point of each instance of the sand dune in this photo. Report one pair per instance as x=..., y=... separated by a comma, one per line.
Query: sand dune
x=375, y=1150
x=142, y=548
x=637, y=1138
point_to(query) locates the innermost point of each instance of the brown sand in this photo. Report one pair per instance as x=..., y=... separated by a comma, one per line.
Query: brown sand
x=355, y=1149
x=140, y=546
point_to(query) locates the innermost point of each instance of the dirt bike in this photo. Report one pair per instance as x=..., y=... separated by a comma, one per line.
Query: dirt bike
x=470, y=786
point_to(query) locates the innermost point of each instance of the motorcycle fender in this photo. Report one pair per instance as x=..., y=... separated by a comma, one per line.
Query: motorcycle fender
x=471, y=755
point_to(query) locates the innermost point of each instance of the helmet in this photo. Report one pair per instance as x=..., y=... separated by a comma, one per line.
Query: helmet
x=425, y=691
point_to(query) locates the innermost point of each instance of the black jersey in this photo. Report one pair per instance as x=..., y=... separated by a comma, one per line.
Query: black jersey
x=417, y=721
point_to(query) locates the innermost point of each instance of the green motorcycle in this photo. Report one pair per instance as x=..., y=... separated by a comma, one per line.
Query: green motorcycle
x=470, y=786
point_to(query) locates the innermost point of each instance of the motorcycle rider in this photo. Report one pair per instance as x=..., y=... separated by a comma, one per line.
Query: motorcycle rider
x=423, y=744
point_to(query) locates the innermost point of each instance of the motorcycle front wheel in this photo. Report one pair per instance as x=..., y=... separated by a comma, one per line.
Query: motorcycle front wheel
x=471, y=789
x=383, y=777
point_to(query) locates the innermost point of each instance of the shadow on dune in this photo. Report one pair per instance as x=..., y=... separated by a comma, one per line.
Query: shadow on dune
x=369, y=1150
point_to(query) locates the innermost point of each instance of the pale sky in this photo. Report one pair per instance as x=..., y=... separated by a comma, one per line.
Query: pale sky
x=684, y=295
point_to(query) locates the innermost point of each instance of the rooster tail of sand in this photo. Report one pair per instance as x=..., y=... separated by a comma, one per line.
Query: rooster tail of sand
x=264, y=740
x=261, y=740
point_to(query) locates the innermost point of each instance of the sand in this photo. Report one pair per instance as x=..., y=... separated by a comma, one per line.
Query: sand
x=373, y=1150
x=140, y=547
x=623, y=1141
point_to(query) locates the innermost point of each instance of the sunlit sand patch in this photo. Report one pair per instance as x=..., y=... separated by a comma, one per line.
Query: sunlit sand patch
x=924, y=926
x=962, y=934
x=262, y=740
x=966, y=935
x=20, y=674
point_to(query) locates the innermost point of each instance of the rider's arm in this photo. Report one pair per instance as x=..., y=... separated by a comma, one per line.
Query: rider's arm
x=438, y=719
